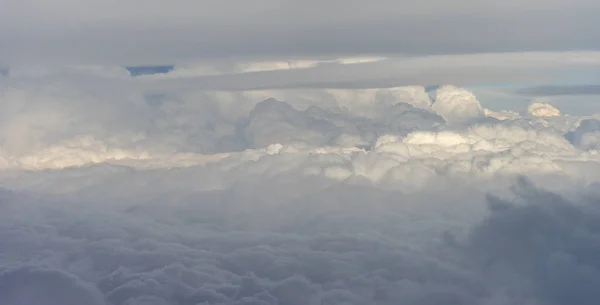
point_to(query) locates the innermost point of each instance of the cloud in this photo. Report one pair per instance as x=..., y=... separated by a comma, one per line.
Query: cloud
x=272, y=121
x=456, y=105
x=58, y=123
x=132, y=261
x=501, y=115
x=272, y=243
x=102, y=32
x=542, y=109
x=35, y=285
x=325, y=74
x=117, y=192
x=372, y=134
x=587, y=134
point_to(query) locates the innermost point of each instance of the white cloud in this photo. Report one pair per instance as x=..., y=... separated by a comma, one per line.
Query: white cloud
x=117, y=192
x=197, y=128
x=457, y=105
x=401, y=72
x=501, y=115
x=542, y=109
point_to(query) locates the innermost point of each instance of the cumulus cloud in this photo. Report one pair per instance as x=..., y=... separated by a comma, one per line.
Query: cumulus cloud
x=64, y=123
x=115, y=192
x=545, y=241
x=587, y=134
x=398, y=125
x=457, y=105
x=542, y=109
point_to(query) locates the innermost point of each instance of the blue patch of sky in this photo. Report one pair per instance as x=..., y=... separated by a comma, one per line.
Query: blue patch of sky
x=148, y=70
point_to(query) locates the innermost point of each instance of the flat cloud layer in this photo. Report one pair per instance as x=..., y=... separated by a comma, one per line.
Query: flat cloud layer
x=117, y=191
x=124, y=32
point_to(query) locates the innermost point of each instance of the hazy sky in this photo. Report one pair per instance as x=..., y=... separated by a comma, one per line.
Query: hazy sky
x=132, y=32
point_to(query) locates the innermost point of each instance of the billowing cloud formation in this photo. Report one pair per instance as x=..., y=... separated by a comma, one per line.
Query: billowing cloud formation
x=545, y=242
x=457, y=105
x=587, y=134
x=117, y=193
x=78, y=123
x=543, y=109
x=374, y=134
x=265, y=243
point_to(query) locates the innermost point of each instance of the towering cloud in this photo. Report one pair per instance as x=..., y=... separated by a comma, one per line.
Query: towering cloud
x=457, y=105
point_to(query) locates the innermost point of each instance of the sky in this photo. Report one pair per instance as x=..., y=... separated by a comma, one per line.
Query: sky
x=276, y=152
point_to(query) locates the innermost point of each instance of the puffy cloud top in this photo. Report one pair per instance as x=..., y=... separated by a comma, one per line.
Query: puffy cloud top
x=543, y=110
x=457, y=105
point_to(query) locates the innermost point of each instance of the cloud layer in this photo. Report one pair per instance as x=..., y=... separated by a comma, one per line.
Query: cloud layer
x=97, y=31
x=265, y=243
x=119, y=192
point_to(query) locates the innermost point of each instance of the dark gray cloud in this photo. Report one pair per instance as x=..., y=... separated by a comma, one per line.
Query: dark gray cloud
x=546, y=240
x=266, y=243
x=37, y=285
x=247, y=245
x=586, y=135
